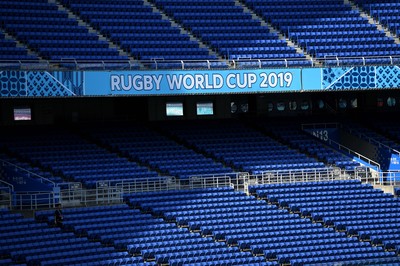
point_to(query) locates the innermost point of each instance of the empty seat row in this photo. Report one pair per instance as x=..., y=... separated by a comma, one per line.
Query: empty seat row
x=231, y=18
x=297, y=23
x=103, y=18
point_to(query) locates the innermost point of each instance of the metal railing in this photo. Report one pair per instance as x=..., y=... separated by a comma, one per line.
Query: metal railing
x=6, y=191
x=33, y=200
x=111, y=191
x=364, y=174
x=25, y=199
x=235, y=180
x=73, y=194
x=140, y=184
x=300, y=175
x=371, y=140
x=389, y=178
x=29, y=173
x=294, y=175
x=337, y=145
x=161, y=63
x=210, y=182
x=354, y=153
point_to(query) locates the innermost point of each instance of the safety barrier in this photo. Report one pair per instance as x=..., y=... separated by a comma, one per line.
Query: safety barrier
x=33, y=200
x=6, y=190
x=111, y=192
x=161, y=63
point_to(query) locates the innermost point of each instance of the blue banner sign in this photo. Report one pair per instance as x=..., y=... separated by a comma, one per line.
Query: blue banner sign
x=16, y=83
x=192, y=82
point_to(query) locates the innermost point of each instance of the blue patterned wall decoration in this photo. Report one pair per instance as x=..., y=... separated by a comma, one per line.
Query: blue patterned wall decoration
x=350, y=78
x=13, y=83
x=72, y=80
x=41, y=83
x=54, y=84
x=388, y=76
x=331, y=75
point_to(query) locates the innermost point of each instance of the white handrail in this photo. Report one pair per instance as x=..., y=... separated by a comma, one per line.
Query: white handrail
x=340, y=146
x=115, y=193
x=309, y=175
x=57, y=64
x=11, y=187
x=29, y=172
x=10, y=192
x=358, y=155
x=372, y=140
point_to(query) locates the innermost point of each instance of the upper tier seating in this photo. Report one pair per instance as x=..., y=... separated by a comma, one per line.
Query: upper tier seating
x=150, y=147
x=51, y=33
x=325, y=29
x=10, y=52
x=141, y=32
x=231, y=31
x=328, y=29
x=242, y=147
x=387, y=12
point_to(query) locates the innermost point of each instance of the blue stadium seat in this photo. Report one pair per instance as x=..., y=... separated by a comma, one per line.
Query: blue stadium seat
x=139, y=30
x=38, y=24
x=242, y=147
x=223, y=23
x=65, y=155
x=319, y=27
